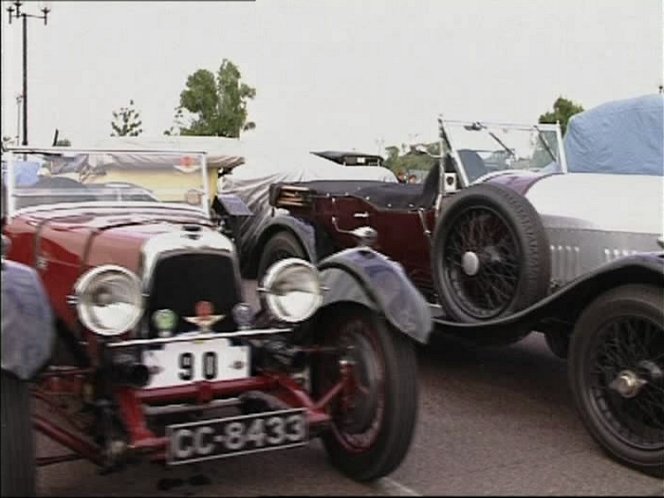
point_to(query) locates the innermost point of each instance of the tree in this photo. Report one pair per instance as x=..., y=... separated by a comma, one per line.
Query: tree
x=563, y=110
x=178, y=123
x=218, y=104
x=127, y=122
x=407, y=161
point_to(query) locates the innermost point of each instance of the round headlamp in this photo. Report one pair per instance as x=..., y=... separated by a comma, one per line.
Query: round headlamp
x=291, y=289
x=109, y=300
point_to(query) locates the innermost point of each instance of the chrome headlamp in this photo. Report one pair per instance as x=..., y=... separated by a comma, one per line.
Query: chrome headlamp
x=109, y=300
x=291, y=290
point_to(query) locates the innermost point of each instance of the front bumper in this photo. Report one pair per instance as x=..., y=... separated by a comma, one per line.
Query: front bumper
x=137, y=407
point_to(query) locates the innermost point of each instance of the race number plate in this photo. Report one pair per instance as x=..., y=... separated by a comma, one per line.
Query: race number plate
x=219, y=438
x=180, y=363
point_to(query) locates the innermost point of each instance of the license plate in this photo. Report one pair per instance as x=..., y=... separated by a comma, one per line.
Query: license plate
x=225, y=437
x=179, y=363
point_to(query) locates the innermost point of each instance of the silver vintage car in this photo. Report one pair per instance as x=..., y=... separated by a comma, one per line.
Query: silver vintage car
x=576, y=254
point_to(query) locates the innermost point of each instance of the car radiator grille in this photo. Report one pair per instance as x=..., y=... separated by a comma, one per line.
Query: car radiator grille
x=181, y=281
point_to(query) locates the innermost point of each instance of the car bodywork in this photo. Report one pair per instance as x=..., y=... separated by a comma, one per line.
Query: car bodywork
x=251, y=182
x=172, y=250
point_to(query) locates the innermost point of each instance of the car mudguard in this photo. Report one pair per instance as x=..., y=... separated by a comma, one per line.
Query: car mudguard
x=28, y=332
x=305, y=233
x=365, y=276
x=569, y=301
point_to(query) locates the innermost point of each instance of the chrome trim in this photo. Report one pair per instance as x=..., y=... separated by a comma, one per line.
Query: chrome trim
x=565, y=262
x=198, y=337
x=178, y=242
x=82, y=299
x=182, y=242
x=274, y=272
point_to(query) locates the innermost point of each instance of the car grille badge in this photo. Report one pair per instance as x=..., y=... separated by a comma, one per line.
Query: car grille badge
x=204, y=318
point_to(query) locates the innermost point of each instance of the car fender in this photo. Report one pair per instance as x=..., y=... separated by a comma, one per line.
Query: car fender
x=365, y=276
x=28, y=331
x=303, y=231
x=567, y=303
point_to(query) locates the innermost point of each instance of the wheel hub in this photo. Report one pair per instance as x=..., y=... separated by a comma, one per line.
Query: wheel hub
x=470, y=263
x=627, y=384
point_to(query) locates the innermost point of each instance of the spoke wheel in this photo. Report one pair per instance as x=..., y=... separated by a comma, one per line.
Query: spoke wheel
x=373, y=416
x=490, y=254
x=481, y=262
x=617, y=374
x=359, y=410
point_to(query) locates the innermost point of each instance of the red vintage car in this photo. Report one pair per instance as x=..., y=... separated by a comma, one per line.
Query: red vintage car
x=158, y=354
x=503, y=240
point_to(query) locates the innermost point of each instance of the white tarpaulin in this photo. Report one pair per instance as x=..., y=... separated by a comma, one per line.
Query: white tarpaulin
x=220, y=152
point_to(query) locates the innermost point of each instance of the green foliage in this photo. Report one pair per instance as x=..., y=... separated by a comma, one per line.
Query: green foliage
x=178, y=123
x=126, y=122
x=402, y=160
x=218, y=104
x=563, y=110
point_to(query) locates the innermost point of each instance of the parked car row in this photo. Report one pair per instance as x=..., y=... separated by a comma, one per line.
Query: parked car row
x=125, y=324
x=517, y=231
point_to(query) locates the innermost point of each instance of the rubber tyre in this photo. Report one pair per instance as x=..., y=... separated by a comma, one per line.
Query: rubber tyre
x=397, y=426
x=633, y=300
x=524, y=223
x=18, y=450
x=282, y=245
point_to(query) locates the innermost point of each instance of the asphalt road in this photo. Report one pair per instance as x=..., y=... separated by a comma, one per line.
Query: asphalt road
x=491, y=422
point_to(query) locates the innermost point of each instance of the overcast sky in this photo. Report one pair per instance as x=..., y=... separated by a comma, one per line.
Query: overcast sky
x=331, y=73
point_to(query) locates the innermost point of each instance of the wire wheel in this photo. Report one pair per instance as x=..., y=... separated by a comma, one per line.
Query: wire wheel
x=616, y=368
x=481, y=262
x=357, y=413
x=626, y=380
x=490, y=255
x=373, y=414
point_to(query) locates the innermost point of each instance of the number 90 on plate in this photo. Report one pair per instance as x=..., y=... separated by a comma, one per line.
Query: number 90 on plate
x=218, y=438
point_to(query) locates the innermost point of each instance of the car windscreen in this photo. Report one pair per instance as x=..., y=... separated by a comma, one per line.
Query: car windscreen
x=487, y=148
x=39, y=178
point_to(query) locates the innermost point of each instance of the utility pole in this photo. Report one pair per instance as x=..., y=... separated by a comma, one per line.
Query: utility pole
x=19, y=99
x=15, y=13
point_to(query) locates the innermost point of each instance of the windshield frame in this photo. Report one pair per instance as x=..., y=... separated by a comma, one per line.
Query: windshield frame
x=539, y=128
x=10, y=154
